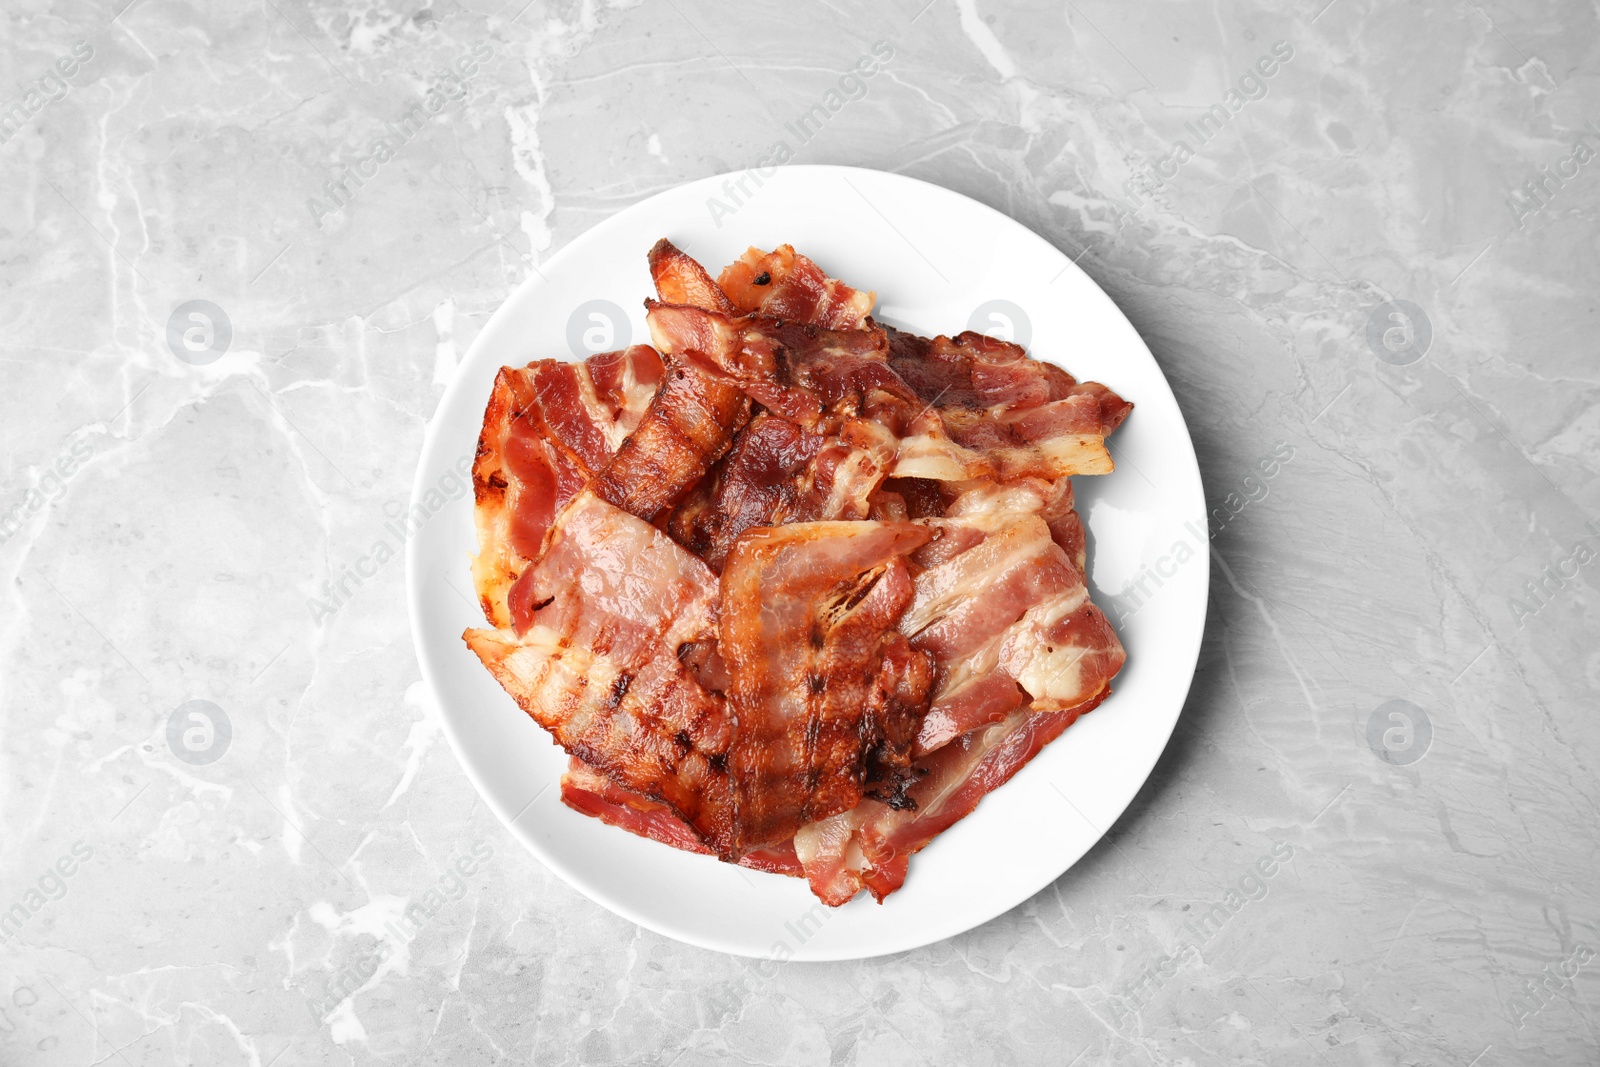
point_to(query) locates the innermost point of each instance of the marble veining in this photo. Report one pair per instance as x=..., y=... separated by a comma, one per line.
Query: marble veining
x=247, y=244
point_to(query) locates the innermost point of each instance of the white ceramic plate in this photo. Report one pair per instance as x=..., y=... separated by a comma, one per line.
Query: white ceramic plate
x=937, y=260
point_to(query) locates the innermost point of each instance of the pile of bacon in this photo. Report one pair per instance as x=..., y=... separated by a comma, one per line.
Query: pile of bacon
x=792, y=588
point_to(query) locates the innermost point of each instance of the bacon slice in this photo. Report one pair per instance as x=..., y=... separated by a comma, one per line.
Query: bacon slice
x=825, y=692
x=1009, y=624
x=596, y=661
x=810, y=374
x=779, y=472
x=871, y=845
x=979, y=372
x=547, y=428
x=689, y=425
x=680, y=279
x=783, y=284
x=757, y=485
x=1028, y=417
x=587, y=791
x=818, y=377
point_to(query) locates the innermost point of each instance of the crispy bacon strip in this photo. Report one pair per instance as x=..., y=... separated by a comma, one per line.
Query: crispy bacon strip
x=979, y=372
x=547, y=428
x=585, y=790
x=611, y=604
x=1009, y=624
x=680, y=279
x=810, y=374
x=799, y=370
x=871, y=845
x=825, y=692
x=1028, y=417
x=783, y=284
x=690, y=424
x=779, y=472
x=818, y=377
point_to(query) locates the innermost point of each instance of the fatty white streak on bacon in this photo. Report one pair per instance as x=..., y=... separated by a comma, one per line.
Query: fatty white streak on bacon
x=1009, y=624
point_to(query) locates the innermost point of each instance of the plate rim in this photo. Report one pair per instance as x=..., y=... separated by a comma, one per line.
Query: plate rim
x=1187, y=660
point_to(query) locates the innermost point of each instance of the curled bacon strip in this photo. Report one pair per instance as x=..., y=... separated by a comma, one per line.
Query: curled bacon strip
x=689, y=426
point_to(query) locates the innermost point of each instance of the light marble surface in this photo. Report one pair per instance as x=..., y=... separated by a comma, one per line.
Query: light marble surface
x=169, y=520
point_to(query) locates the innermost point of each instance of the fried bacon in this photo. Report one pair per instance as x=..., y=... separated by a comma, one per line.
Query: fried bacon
x=682, y=280
x=1027, y=417
x=871, y=845
x=780, y=472
x=548, y=427
x=783, y=284
x=1005, y=613
x=594, y=659
x=826, y=693
x=690, y=424
x=586, y=790
x=802, y=589
x=1049, y=427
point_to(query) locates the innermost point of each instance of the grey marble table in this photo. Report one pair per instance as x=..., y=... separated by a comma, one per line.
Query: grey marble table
x=1360, y=238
